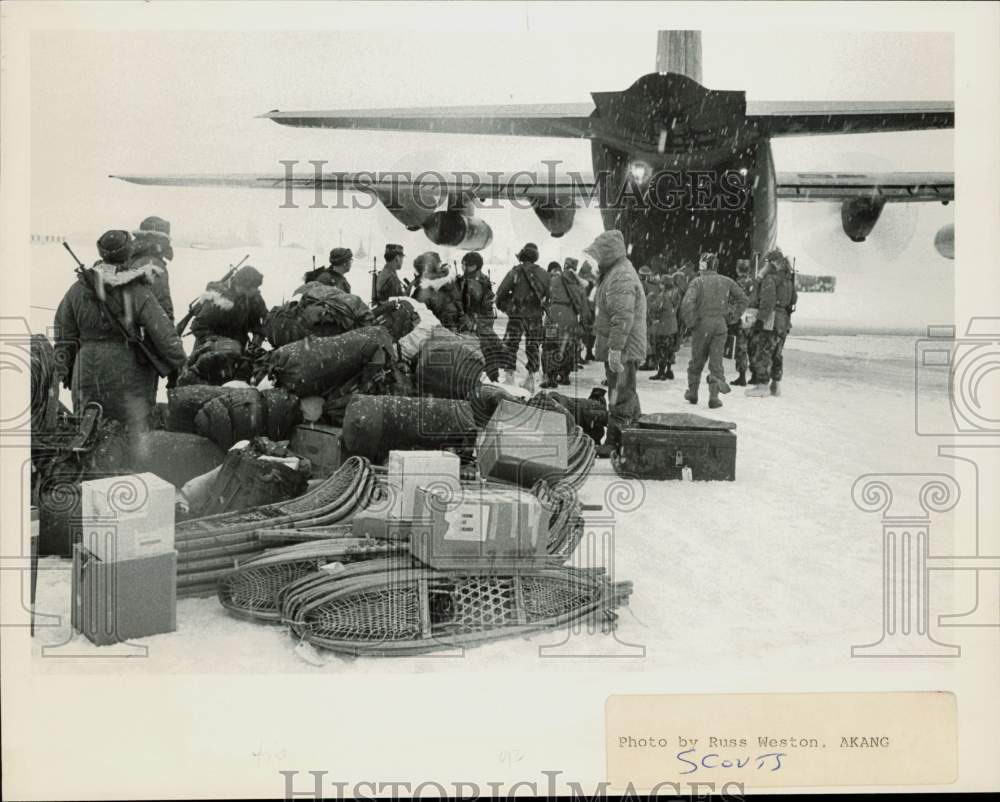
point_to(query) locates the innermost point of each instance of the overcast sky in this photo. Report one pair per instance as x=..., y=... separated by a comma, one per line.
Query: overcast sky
x=185, y=102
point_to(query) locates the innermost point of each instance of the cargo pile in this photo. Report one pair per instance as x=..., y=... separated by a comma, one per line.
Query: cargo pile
x=379, y=448
x=434, y=562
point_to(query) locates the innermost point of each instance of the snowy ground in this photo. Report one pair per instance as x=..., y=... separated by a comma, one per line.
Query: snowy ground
x=776, y=569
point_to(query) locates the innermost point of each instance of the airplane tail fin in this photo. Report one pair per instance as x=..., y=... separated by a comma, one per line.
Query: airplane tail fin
x=680, y=52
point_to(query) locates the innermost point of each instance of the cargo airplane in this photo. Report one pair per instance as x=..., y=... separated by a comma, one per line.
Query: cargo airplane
x=678, y=168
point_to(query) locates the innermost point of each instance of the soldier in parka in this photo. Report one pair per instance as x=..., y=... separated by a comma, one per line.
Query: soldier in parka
x=476, y=293
x=95, y=360
x=523, y=295
x=151, y=247
x=705, y=307
x=662, y=305
x=586, y=275
x=438, y=291
x=741, y=352
x=776, y=298
x=620, y=329
x=567, y=307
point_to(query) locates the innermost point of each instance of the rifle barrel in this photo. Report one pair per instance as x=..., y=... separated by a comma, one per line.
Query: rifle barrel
x=75, y=259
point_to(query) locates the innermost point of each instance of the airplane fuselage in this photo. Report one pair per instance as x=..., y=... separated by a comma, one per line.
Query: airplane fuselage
x=697, y=176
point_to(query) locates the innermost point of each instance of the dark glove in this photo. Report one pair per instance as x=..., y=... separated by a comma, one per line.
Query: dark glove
x=758, y=326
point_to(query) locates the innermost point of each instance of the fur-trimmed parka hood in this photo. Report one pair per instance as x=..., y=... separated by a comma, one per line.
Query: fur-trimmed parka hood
x=122, y=275
x=437, y=283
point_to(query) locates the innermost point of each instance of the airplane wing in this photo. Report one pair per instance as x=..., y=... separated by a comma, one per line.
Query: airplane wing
x=801, y=118
x=566, y=120
x=890, y=187
x=497, y=185
x=576, y=120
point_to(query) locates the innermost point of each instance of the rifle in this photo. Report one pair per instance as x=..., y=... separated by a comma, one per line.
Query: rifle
x=194, y=306
x=145, y=352
x=374, y=281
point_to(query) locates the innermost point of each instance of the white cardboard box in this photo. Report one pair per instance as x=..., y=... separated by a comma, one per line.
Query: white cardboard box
x=408, y=470
x=127, y=517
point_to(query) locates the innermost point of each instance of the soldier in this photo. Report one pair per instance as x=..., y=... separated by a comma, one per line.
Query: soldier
x=682, y=280
x=761, y=345
x=567, y=306
x=437, y=290
x=777, y=298
x=94, y=359
x=234, y=309
x=741, y=352
x=704, y=308
x=523, y=294
x=661, y=306
x=647, y=279
x=620, y=326
x=476, y=293
x=589, y=280
x=388, y=285
x=341, y=260
x=151, y=246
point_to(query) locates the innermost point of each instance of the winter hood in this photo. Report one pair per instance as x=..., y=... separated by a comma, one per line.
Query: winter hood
x=608, y=248
x=215, y=297
x=118, y=276
x=437, y=283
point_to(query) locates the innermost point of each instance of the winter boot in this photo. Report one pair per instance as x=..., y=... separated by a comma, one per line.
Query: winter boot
x=713, y=396
x=722, y=385
x=647, y=365
x=691, y=395
x=741, y=381
x=670, y=373
x=563, y=379
x=775, y=388
x=758, y=391
x=753, y=379
x=528, y=383
x=658, y=376
x=549, y=383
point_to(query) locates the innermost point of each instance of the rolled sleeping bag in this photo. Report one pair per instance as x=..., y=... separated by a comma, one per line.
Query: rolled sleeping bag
x=449, y=367
x=227, y=419
x=183, y=404
x=317, y=365
x=375, y=425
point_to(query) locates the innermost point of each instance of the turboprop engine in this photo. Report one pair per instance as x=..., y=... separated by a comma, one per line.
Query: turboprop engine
x=412, y=205
x=458, y=230
x=944, y=241
x=859, y=216
x=556, y=219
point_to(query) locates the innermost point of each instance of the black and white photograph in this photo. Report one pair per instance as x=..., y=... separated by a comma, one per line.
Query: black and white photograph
x=490, y=399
